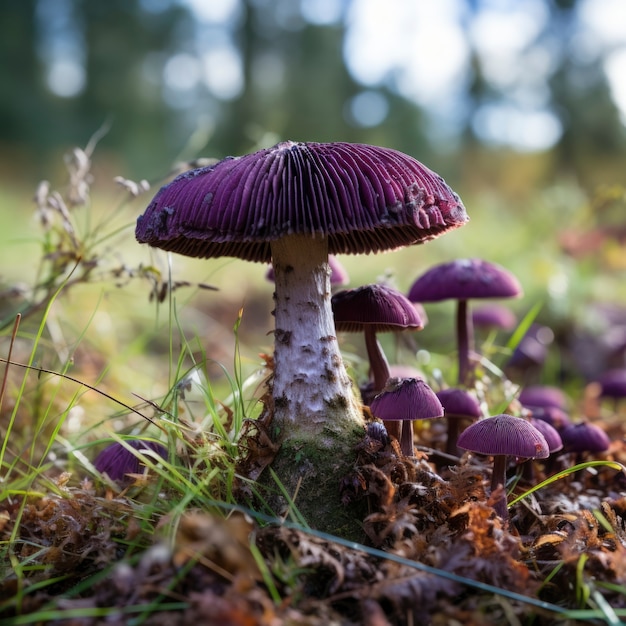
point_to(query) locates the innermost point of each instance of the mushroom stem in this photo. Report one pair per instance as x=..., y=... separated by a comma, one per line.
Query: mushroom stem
x=313, y=395
x=406, y=440
x=379, y=369
x=465, y=340
x=498, y=477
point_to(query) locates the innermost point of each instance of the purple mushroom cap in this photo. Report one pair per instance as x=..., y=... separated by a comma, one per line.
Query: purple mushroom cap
x=504, y=435
x=379, y=306
x=584, y=437
x=613, y=383
x=459, y=403
x=543, y=396
x=494, y=316
x=465, y=279
x=361, y=198
x=557, y=418
x=550, y=434
x=117, y=461
x=406, y=399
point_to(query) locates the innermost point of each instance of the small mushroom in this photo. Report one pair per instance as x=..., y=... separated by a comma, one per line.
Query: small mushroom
x=463, y=280
x=373, y=309
x=543, y=395
x=459, y=406
x=406, y=399
x=494, y=316
x=117, y=461
x=613, y=386
x=503, y=436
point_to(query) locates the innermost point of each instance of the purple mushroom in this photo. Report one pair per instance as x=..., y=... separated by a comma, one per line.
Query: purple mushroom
x=543, y=395
x=613, y=385
x=407, y=400
x=293, y=205
x=459, y=406
x=117, y=461
x=495, y=316
x=373, y=309
x=463, y=280
x=503, y=436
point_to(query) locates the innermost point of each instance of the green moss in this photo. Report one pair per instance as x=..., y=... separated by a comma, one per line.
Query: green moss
x=311, y=472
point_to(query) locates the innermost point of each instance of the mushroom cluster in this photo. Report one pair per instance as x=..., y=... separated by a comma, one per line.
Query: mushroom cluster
x=293, y=205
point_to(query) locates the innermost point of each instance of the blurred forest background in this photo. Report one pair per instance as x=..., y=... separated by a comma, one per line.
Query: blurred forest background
x=519, y=104
x=485, y=91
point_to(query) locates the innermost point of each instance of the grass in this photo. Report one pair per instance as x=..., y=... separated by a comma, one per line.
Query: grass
x=110, y=343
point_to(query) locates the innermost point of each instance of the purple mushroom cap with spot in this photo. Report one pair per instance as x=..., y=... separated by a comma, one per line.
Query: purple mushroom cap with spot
x=116, y=461
x=550, y=434
x=360, y=198
x=504, y=435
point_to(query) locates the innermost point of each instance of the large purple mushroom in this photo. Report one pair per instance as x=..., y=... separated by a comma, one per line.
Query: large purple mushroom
x=463, y=280
x=293, y=205
x=117, y=461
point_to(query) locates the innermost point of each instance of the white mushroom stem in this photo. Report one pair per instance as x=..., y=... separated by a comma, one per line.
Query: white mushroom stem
x=313, y=394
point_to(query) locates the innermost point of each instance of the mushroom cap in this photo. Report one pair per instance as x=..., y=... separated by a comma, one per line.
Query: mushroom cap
x=465, y=279
x=117, y=461
x=338, y=273
x=406, y=399
x=378, y=306
x=504, y=435
x=494, y=316
x=557, y=418
x=544, y=396
x=613, y=383
x=361, y=198
x=551, y=435
x=459, y=403
x=584, y=437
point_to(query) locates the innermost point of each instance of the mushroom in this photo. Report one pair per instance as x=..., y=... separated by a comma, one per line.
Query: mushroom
x=373, y=309
x=494, y=316
x=292, y=205
x=407, y=400
x=459, y=406
x=544, y=396
x=117, y=461
x=462, y=280
x=502, y=436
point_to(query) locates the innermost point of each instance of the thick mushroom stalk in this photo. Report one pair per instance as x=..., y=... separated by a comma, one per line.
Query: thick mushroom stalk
x=312, y=392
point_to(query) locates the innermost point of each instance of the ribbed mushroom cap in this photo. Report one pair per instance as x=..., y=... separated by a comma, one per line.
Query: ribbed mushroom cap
x=378, y=306
x=459, y=403
x=362, y=198
x=504, y=435
x=584, y=437
x=465, y=279
x=613, y=383
x=406, y=399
